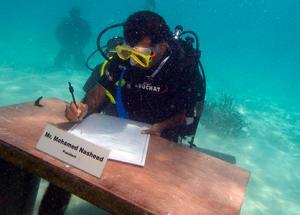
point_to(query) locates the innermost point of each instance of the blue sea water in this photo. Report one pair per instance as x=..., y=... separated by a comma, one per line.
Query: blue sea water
x=250, y=50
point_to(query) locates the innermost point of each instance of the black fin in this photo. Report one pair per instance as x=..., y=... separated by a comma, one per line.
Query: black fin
x=37, y=102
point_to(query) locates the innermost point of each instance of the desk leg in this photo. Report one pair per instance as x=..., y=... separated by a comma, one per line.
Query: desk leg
x=55, y=201
x=18, y=189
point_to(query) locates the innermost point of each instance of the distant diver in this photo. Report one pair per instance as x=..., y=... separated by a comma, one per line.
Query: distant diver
x=150, y=5
x=73, y=33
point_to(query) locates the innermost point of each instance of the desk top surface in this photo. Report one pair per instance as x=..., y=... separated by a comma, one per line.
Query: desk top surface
x=174, y=179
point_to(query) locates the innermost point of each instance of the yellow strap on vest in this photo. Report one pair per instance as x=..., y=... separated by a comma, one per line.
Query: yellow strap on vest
x=123, y=82
x=102, y=70
x=107, y=93
x=110, y=96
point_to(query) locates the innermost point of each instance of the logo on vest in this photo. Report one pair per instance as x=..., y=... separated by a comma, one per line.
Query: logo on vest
x=149, y=87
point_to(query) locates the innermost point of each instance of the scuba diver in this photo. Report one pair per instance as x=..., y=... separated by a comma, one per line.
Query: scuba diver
x=72, y=34
x=151, y=75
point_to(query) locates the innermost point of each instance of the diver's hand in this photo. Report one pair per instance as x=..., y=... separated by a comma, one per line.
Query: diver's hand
x=73, y=114
x=156, y=130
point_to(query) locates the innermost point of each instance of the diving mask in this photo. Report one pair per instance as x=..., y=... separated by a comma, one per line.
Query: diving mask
x=137, y=55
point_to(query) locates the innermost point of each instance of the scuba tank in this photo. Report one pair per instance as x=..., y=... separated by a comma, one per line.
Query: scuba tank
x=190, y=44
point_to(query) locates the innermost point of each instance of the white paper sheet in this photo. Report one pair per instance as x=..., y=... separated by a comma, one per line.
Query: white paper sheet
x=123, y=137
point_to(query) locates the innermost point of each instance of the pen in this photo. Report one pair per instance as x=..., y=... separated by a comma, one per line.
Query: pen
x=71, y=89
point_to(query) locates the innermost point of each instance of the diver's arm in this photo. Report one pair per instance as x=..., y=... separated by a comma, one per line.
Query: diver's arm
x=86, y=31
x=95, y=99
x=158, y=128
x=60, y=30
x=91, y=104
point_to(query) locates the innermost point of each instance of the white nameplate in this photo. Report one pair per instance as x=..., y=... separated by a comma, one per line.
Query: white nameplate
x=73, y=150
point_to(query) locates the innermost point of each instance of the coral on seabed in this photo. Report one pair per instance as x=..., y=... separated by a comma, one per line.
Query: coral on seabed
x=222, y=116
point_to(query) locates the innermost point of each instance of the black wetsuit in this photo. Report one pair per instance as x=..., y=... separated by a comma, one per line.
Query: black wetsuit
x=153, y=96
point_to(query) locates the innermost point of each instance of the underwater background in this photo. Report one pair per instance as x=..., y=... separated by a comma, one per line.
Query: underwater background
x=250, y=52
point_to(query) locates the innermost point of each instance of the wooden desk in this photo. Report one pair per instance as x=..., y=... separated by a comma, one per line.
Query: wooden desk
x=175, y=179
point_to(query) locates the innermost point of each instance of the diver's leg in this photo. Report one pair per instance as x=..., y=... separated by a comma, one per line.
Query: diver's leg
x=62, y=57
x=79, y=59
x=18, y=189
x=55, y=201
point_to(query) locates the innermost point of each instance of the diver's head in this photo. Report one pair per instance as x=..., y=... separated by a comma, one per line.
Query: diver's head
x=144, y=24
x=75, y=12
x=147, y=30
